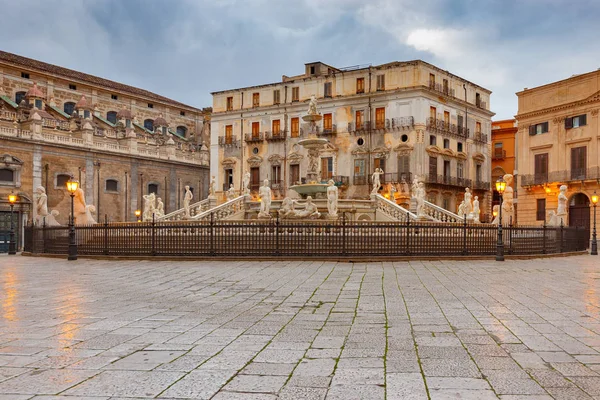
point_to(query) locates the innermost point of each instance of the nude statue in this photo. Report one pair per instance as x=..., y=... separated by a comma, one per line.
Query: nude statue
x=264, y=192
x=212, y=187
x=287, y=208
x=187, y=199
x=415, y=187
x=246, y=183
x=376, y=180
x=468, y=205
x=310, y=210
x=160, y=208
x=312, y=105
x=476, y=210
x=508, y=208
x=420, y=195
x=82, y=211
x=43, y=217
x=332, y=199
x=562, y=201
x=461, y=209
x=149, y=206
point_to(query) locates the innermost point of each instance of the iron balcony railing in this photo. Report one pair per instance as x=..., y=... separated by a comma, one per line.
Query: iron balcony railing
x=499, y=155
x=481, y=104
x=481, y=185
x=440, y=88
x=388, y=177
x=389, y=124
x=229, y=141
x=330, y=130
x=564, y=176
x=480, y=137
x=275, y=135
x=448, y=180
x=254, y=137
x=446, y=128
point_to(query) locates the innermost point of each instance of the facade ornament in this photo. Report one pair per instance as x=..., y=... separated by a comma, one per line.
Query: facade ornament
x=264, y=193
x=594, y=113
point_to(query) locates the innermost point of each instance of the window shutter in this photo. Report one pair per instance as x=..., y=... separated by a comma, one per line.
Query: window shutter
x=583, y=120
x=531, y=130
x=545, y=128
x=568, y=123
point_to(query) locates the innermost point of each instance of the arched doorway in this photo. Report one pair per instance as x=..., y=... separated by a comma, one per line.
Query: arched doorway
x=579, y=211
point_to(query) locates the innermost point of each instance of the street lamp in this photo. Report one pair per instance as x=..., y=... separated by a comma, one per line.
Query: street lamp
x=500, y=186
x=12, y=246
x=594, y=251
x=138, y=213
x=72, y=186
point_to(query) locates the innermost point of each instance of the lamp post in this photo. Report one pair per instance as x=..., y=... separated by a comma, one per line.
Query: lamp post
x=72, y=186
x=500, y=186
x=12, y=246
x=138, y=213
x=594, y=251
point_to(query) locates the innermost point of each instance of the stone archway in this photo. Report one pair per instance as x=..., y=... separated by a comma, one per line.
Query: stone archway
x=579, y=211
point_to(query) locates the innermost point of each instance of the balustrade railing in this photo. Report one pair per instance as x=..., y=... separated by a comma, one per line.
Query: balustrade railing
x=179, y=215
x=254, y=137
x=8, y=115
x=222, y=211
x=480, y=137
x=579, y=174
x=446, y=128
x=440, y=214
x=225, y=141
x=392, y=209
x=275, y=135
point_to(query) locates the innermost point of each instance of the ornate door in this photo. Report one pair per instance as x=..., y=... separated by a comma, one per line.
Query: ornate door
x=5, y=229
x=579, y=212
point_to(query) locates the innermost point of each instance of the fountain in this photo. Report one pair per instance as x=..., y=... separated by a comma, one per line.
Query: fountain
x=313, y=144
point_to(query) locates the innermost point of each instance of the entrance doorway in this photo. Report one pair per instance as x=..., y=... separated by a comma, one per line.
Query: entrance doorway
x=579, y=212
x=254, y=179
x=5, y=229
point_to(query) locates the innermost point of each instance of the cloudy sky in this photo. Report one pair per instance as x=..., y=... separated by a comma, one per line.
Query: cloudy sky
x=184, y=49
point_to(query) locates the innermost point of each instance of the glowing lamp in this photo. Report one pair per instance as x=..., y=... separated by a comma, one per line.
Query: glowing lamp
x=495, y=213
x=500, y=185
x=594, y=198
x=72, y=185
x=12, y=198
x=548, y=190
x=138, y=213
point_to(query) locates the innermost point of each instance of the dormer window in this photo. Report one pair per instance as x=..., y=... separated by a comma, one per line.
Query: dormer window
x=312, y=70
x=114, y=97
x=86, y=114
x=150, y=105
x=149, y=124
x=19, y=96
x=72, y=87
x=24, y=75
x=38, y=104
x=182, y=113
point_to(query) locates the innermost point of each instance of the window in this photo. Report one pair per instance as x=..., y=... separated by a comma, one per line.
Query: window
x=276, y=174
x=327, y=89
x=404, y=168
x=431, y=80
x=61, y=181
x=433, y=168
x=478, y=173
x=72, y=87
x=447, y=117
x=575, y=122
x=153, y=188
x=38, y=104
x=149, y=124
x=459, y=146
x=445, y=86
x=228, y=178
x=7, y=175
x=538, y=129
x=114, y=97
x=432, y=140
x=228, y=134
x=255, y=99
x=540, y=212
x=578, y=162
x=255, y=129
x=19, y=96
x=182, y=131
x=69, y=108
x=446, y=143
x=295, y=127
x=380, y=118
x=477, y=127
x=24, y=75
x=312, y=70
x=295, y=93
x=359, y=172
x=327, y=122
x=381, y=82
x=459, y=170
x=379, y=163
x=459, y=121
x=182, y=113
x=498, y=151
x=359, y=119
x=276, y=126
x=294, y=174
x=477, y=99
x=432, y=112
x=541, y=167
x=446, y=171
x=326, y=168
x=230, y=103
x=86, y=114
x=360, y=85
x=150, y=105
x=112, y=185
x=276, y=96
x=111, y=116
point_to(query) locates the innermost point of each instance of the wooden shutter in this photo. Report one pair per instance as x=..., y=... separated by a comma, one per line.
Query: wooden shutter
x=544, y=127
x=295, y=126
x=583, y=120
x=532, y=130
x=404, y=164
x=228, y=134
x=327, y=122
x=255, y=129
x=540, y=209
x=433, y=168
x=568, y=123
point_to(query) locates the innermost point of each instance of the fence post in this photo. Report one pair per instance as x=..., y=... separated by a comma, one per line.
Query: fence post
x=344, y=234
x=407, y=235
x=510, y=234
x=212, y=234
x=153, y=250
x=277, y=235
x=464, y=252
x=561, y=236
x=544, y=239
x=43, y=235
x=105, y=235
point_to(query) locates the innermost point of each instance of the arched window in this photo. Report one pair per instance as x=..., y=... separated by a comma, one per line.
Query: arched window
x=69, y=107
x=112, y=185
x=182, y=131
x=152, y=188
x=61, y=181
x=111, y=116
x=7, y=175
x=149, y=124
x=19, y=96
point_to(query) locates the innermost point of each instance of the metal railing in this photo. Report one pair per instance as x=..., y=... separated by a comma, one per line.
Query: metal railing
x=275, y=135
x=447, y=180
x=446, y=128
x=440, y=88
x=480, y=137
x=330, y=130
x=254, y=137
x=179, y=215
x=499, y=155
x=481, y=104
x=592, y=173
x=389, y=124
x=276, y=184
x=481, y=185
x=229, y=142
x=273, y=238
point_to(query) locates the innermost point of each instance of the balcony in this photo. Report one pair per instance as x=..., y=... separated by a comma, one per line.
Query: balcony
x=445, y=128
x=387, y=125
x=440, y=88
x=228, y=141
x=499, y=155
x=254, y=137
x=481, y=104
x=480, y=137
x=275, y=136
x=447, y=180
x=330, y=130
x=574, y=175
x=481, y=185
x=276, y=184
x=390, y=177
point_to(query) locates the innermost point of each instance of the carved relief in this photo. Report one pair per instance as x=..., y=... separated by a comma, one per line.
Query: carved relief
x=275, y=159
x=255, y=161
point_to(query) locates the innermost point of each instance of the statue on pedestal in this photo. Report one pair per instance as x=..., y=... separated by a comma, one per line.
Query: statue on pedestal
x=149, y=206
x=287, y=208
x=332, y=199
x=495, y=211
x=312, y=105
x=376, y=180
x=415, y=187
x=187, y=199
x=310, y=210
x=420, y=195
x=212, y=190
x=508, y=208
x=43, y=217
x=467, y=201
x=230, y=193
x=264, y=192
x=82, y=211
x=160, y=208
x=561, y=214
x=476, y=210
x=246, y=183
x=461, y=209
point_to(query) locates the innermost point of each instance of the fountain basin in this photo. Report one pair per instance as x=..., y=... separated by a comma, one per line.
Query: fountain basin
x=310, y=189
x=313, y=143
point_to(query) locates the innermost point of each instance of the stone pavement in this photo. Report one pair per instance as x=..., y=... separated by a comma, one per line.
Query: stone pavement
x=299, y=330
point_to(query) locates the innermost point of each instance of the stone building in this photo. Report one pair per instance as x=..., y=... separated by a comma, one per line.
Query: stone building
x=411, y=119
x=559, y=145
x=119, y=141
x=504, y=155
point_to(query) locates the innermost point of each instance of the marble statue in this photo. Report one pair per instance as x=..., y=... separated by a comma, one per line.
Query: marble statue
x=212, y=188
x=332, y=199
x=553, y=220
x=43, y=217
x=404, y=186
x=476, y=210
x=287, y=208
x=468, y=204
x=393, y=192
x=246, y=183
x=496, y=210
x=230, y=193
x=264, y=192
x=420, y=195
x=160, y=208
x=461, y=209
x=149, y=206
x=310, y=210
x=508, y=208
x=82, y=212
x=187, y=199
x=376, y=180
x=415, y=187
x=312, y=105
x=562, y=201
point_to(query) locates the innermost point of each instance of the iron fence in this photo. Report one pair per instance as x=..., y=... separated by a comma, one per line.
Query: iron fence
x=305, y=239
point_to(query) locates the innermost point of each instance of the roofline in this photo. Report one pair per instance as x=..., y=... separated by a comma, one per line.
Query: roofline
x=504, y=120
x=576, y=76
x=392, y=63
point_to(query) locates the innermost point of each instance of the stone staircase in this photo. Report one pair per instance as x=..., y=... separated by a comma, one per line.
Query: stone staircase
x=179, y=215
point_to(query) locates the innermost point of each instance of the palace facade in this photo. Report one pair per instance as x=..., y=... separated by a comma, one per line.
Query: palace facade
x=559, y=144
x=119, y=141
x=410, y=119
